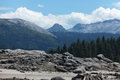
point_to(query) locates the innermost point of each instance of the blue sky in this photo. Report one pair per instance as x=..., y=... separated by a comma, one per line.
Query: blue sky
x=57, y=7
x=68, y=13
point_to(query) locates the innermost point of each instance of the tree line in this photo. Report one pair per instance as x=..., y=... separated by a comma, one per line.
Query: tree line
x=108, y=47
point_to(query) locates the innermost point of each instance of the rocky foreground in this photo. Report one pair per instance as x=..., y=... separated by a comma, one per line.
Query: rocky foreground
x=97, y=68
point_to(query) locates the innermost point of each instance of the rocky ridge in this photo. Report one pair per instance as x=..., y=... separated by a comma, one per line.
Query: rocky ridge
x=107, y=26
x=35, y=60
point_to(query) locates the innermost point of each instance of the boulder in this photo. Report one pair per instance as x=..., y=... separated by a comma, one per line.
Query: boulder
x=16, y=51
x=11, y=67
x=68, y=54
x=48, y=66
x=70, y=68
x=80, y=69
x=57, y=56
x=71, y=61
x=96, y=59
x=68, y=64
x=89, y=60
x=102, y=57
x=78, y=77
x=88, y=77
x=57, y=78
x=60, y=68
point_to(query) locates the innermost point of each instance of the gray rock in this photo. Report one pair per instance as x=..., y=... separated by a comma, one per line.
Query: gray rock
x=48, y=66
x=57, y=78
x=36, y=60
x=88, y=77
x=89, y=60
x=96, y=60
x=71, y=61
x=80, y=69
x=68, y=64
x=60, y=68
x=70, y=69
x=68, y=54
x=101, y=56
x=57, y=56
x=78, y=77
x=11, y=67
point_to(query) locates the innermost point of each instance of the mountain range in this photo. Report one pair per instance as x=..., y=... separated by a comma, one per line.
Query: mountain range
x=18, y=33
x=108, y=26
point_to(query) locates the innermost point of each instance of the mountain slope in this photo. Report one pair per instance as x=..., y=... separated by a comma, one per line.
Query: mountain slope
x=16, y=35
x=24, y=23
x=70, y=37
x=108, y=26
x=57, y=28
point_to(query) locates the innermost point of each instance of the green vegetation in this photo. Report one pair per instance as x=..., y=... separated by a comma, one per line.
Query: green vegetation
x=109, y=47
x=15, y=36
x=69, y=37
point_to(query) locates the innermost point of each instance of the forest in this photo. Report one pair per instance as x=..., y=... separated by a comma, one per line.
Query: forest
x=109, y=47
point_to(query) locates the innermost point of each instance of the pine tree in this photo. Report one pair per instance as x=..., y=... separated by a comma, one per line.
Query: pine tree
x=51, y=51
x=58, y=50
x=103, y=45
x=118, y=47
x=84, y=49
x=71, y=48
x=64, y=49
x=78, y=48
x=98, y=46
x=93, y=48
x=109, y=47
x=89, y=51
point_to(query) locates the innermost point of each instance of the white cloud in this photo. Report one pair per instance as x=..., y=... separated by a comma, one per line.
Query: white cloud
x=117, y=4
x=40, y=5
x=67, y=20
x=4, y=8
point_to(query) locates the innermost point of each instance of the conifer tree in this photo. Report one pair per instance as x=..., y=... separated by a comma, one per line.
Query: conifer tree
x=98, y=46
x=58, y=50
x=109, y=47
x=51, y=51
x=93, y=48
x=64, y=49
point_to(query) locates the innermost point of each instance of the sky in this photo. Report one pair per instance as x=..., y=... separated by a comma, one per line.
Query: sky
x=68, y=13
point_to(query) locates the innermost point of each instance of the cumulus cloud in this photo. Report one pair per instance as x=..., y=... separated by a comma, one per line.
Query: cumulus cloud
x=4, y=8
x=67, y=20
x=40, y=5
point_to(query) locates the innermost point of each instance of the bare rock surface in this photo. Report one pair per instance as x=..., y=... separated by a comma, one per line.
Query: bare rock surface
x=88, y=77
x=36, y=60
x=57, y=78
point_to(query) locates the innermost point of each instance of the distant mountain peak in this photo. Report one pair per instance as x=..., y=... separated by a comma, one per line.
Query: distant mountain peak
x=56, y=24
x=57, y=28
x=107, y=26
x=80, y=26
